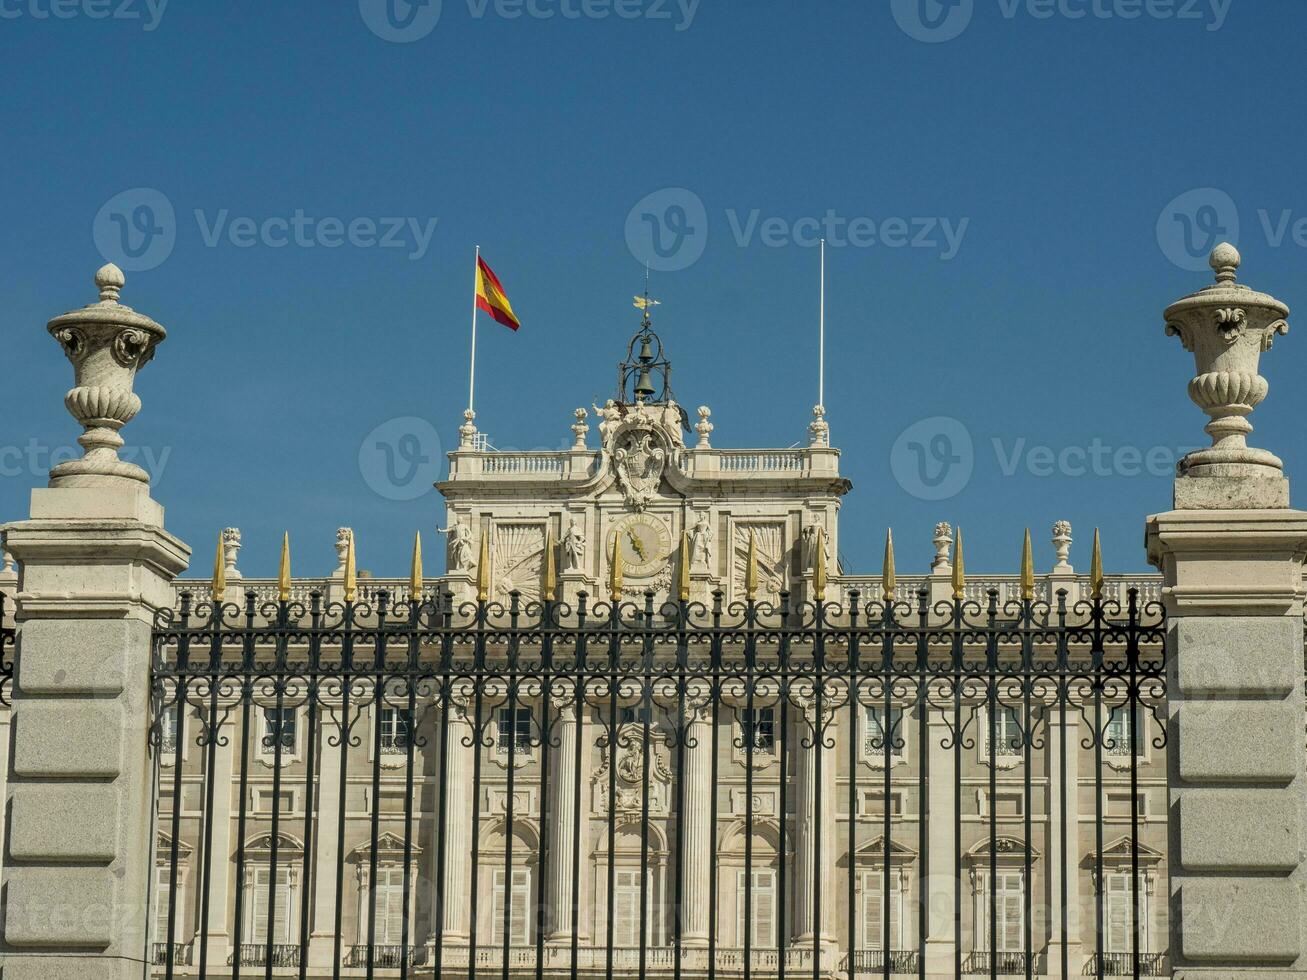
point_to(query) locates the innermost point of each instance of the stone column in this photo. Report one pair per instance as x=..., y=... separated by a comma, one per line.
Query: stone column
x=696, y=824
x=813, y=758
x=458, y=803
x=96, y=566
x=562, y=818
x=1059, y=777
x=941, y=858
x=1231, y=556
x=326, y=844
x=221, y=868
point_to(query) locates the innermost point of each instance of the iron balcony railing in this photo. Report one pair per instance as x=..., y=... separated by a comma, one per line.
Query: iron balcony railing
x=387, y=957
x=1123, y=965
x=181, y=954
x=898, y=961
x=1001, y=964
x=260, y=954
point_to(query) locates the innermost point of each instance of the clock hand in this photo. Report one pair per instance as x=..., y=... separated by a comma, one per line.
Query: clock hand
x=636, y=544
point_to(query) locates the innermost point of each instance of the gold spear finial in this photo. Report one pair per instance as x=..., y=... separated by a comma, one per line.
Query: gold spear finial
x=887, y=579
x=1096, y=570
x=615, y=570
x=415, y=573
x=819, y=567
x=959, y=571
x=549, y=573
x=283, y=573
x=751, y=569
x=351, y=577
x=1027, y=570
x=219, y=573
x=684, y=570
x=483, y=570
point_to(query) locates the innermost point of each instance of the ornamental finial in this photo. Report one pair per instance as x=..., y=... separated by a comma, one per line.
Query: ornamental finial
x=220, y=570
x=819, y=567
x=109, y=279
x=283, y=571
x=549, y=573
x=415, y=572
x=683, y=566
x=1096, y=570
x=1027, y=570
x=1225, y=260
x=888, y=583
x=959, y=571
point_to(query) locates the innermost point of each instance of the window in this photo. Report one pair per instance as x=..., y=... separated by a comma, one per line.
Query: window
x=1007, y=731
x=873, y=912
x=626, y=907
x=514, y=730
x=260, y=900
x=1118, y=914
x=758, y=726
x=1011, y=909
x=762, y=913
x=389, y=892
x=1117, y=739
x=519, y=926
x=161, y=873
x=637, y=716
x=169, y=733
x=279, y=726
x=396, y=723
x=874, y=734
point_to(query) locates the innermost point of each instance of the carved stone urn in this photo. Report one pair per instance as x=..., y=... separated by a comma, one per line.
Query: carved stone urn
x=1227, y=326
x=107, y=344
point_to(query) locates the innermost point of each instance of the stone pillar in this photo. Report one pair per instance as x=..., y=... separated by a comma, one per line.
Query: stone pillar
x=221, y=868
x=96, y=566
x=326, y=844
x=458, y=803
x=812, y=758
x=1231, y=556
x=697, y=826
x=1059, y=777
x=562, y=818
x=941, y=857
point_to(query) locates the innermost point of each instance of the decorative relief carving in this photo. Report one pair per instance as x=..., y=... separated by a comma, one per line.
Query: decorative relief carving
x=769, y=539
x=629, y=782
x=519, y=551
x=639, y=458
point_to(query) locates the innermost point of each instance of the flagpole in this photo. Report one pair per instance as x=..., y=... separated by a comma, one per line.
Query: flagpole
x=472, y=371
x=821, y=333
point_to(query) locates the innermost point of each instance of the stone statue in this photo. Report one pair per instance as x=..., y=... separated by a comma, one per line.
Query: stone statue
x=701, y=544
x=573, y=546
x=460, y=544
x=809, y=541
x=609, y=416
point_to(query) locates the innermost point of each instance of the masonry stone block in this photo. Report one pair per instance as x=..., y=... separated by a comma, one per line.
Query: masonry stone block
x=1229, y=829
x=59, y=907
x=69, y=738
x=1251, y=742
x=65, y=823
x=77, y=656
x=1252, y=920
x=1237, y=655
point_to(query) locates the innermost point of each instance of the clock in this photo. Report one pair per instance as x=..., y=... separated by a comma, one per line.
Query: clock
x=646, y=544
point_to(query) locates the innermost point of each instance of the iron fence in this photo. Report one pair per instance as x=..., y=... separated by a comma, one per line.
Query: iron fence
x=538, y=788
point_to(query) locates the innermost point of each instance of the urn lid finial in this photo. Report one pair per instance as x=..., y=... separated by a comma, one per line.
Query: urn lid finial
x=109, y=279
x=1225, y=260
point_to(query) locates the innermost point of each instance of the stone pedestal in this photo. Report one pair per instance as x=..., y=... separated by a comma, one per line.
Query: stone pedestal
x=96, y=565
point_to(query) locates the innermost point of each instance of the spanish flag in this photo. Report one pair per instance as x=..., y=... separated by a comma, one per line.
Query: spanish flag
x=491, y=297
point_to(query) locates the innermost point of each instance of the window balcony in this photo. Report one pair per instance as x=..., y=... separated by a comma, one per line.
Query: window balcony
x=1123, y=964
x=906, y=961
x=256, y=954
x=1004, y=964
x=181, y=954
x=387, y=957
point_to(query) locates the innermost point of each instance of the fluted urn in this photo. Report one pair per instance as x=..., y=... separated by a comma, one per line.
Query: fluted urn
x=1227, y=326
x=107, y=344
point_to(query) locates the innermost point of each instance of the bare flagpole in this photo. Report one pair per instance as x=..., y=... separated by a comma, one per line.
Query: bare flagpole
x=472, y=371
x=821, y=333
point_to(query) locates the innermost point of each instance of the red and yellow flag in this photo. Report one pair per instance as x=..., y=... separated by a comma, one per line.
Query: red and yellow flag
x=491, y=297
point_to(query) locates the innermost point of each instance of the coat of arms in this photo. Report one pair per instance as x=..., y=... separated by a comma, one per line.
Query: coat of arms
x=638, y=461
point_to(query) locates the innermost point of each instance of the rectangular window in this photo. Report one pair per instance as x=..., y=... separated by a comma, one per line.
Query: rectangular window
x=762, y=911
x=1007, y=732
x=396, y=723
x=279, y=725
x=261, y=901
x=873, y=912
x=519, y=926
x=758, y=726
x=637, y=715
x=162, y=877
x=1011, y=913
x=626, y=907
x=1119, y=737
x=874, y=733
x=390, y=909
x=169, y=733
x=514, y=730
x=1118, y=914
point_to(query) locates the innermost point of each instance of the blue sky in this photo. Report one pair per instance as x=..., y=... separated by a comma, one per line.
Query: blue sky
x=1015, y=188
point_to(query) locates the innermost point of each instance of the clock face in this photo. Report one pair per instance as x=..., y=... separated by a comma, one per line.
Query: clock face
x=645, y=543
